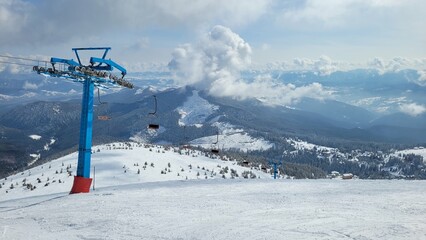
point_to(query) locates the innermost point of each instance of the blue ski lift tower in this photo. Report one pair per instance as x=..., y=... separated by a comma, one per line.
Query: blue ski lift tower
x=98, y=73
x=276, y=164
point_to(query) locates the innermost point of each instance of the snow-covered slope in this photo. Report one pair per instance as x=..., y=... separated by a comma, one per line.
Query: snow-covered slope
x=120, y=164
x=224, y=209
x=231, y=137
x=421, y=151
x=131, y=201
x=195, y=110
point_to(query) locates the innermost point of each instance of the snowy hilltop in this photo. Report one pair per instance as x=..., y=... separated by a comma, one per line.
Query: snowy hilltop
x=122, y=163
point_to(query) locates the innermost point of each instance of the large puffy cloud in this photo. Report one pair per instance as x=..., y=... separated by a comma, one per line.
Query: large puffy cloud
x=412, y=109
x=46, y=22
x=220, y=55
x=214, y=65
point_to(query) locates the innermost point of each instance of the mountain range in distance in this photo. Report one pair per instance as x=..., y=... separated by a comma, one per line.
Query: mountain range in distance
x=370, y=115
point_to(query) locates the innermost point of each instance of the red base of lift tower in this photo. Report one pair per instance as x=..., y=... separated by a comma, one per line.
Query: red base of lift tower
x=81, y=185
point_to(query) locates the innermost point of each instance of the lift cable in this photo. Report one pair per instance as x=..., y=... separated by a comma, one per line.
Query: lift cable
x=15, y=63
x=26, y=59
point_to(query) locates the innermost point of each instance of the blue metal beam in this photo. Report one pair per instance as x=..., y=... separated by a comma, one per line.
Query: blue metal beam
x=111, y=63
x=70, y=62
x=85, y=144
x=90, y=48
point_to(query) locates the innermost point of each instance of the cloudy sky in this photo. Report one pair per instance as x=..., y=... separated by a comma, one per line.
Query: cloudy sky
x=146, y=31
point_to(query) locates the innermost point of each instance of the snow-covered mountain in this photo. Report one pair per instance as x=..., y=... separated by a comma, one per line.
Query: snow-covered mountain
x=190, y=116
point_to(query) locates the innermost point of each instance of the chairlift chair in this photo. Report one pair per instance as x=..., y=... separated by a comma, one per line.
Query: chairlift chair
x=215, y=148
x=102, y=117
x=154, y=126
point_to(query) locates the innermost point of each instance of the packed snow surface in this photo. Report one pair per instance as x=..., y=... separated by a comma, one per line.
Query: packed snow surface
x=224, y=209
x=193, y=201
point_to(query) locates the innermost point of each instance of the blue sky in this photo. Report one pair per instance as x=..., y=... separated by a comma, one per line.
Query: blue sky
x=149, y=31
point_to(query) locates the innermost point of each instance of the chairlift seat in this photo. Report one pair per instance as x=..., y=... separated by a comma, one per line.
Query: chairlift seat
x=104, y=118
x=215, y=151
x=186, y=146
x=153, y=126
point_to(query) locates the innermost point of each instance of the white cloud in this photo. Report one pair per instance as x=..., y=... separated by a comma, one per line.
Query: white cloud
x=333, y=13
x=46, y=22
x=221, y=54
x=13, y=16
x=365, y=28
x=324, y=65
x=412, y=109
x=10, y=68
x=29, y=86
x=215, y=63
x=396, y=64
x=139, y=44
x=265, y=47
x=422, y=77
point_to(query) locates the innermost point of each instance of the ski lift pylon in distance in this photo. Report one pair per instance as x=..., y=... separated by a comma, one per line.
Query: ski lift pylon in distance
x=185, y=144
